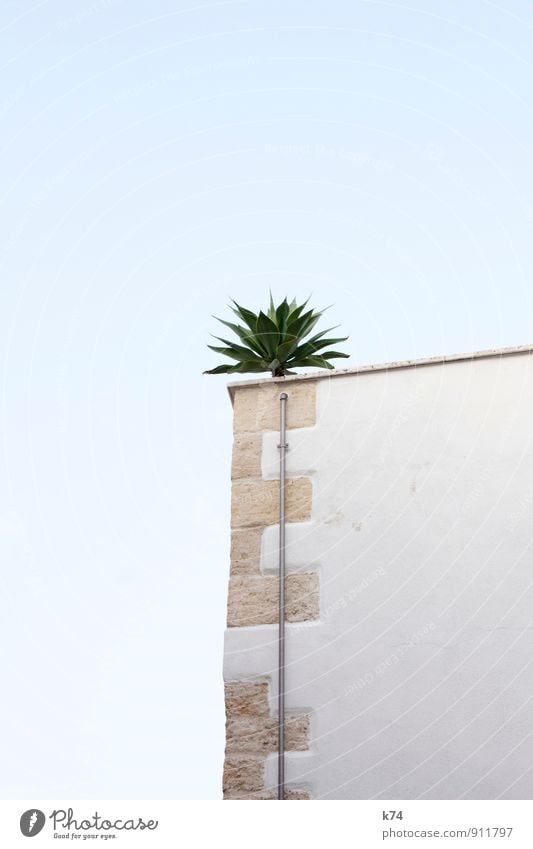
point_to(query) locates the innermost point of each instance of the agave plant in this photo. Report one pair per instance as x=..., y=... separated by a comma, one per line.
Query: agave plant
x=274, y=340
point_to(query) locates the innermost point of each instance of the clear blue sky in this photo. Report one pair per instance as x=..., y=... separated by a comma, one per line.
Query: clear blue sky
x=158, y=157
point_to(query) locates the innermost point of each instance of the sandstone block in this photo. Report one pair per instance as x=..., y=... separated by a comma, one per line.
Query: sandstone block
x=246, y=458
x=243, y=774
x=289, y=794
x=257, y=407
x=246, y=698
x=253, y=600
x=259, y=734
x=246, y=551
x=256, y=502
x=252, y=734
x=265, y=795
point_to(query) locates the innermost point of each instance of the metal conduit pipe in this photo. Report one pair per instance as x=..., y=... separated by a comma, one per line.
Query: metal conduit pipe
x=281, y=633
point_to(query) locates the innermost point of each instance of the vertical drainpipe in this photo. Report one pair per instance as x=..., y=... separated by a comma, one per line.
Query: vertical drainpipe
x=281, y=633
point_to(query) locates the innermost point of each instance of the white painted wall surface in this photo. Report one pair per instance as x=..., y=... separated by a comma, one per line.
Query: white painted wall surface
x=419, y=673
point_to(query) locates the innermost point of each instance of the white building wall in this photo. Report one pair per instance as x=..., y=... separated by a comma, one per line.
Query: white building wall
x=419, y=673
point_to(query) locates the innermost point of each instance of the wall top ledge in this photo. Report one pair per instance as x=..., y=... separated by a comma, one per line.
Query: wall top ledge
x=327, y=374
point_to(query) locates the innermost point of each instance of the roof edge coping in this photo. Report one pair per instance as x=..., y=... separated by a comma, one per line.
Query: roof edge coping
x=380, y=367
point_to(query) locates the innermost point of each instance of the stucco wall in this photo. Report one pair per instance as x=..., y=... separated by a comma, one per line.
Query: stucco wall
x=416, y=677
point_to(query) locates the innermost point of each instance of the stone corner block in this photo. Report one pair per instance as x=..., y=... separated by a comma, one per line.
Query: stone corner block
x=246, y=456
x=243, y=774
x=252, y=734
x=256, y=502
x=246, y=698
x=253, y=599
x=256, y=408
x=245, y=555
x=259, y=734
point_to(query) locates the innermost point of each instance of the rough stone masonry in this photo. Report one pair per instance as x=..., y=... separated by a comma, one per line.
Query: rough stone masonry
x=251, y=727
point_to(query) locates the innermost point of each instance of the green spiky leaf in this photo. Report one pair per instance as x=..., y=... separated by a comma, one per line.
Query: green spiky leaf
x=267, y=331
x=331, y=355
x=275, y=340
x=286, y=348
x=247, y=316
x=313, y=361
x=219, y=370
x=235, y=352
x=245, y=336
